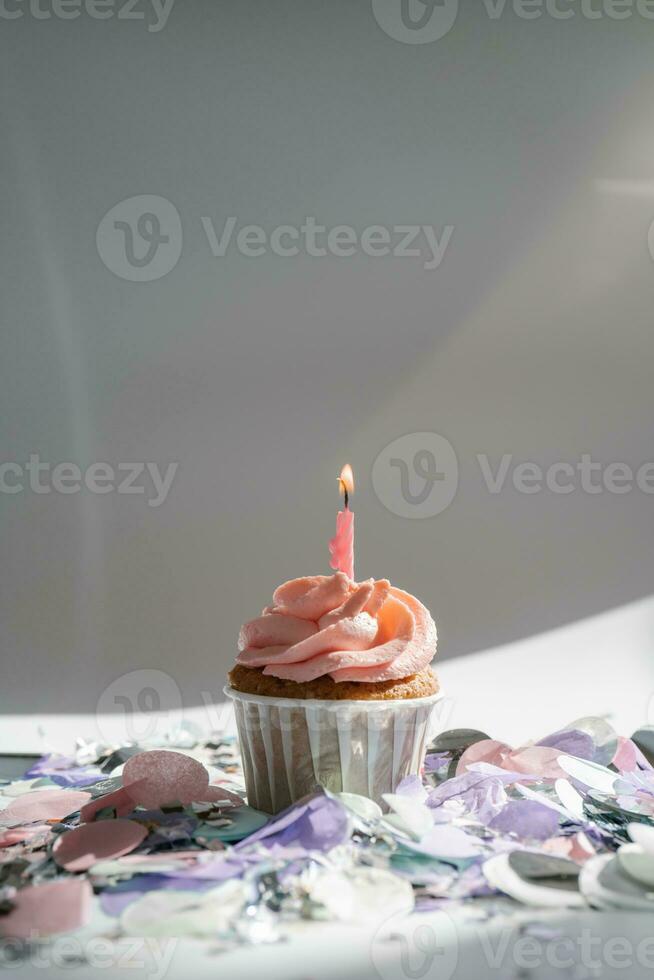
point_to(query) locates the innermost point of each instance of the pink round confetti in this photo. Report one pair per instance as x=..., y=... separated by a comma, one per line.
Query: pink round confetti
x=165, y=777
x=45, y=804
x=44, y=910
x=79, y=849
x=487, y=750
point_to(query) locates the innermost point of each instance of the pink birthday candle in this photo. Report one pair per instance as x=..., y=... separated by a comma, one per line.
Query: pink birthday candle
x=341, y=547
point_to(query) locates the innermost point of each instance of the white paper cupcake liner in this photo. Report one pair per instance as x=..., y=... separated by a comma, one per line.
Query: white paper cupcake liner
x=291, y=747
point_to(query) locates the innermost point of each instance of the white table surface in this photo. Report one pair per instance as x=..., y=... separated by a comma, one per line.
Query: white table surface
x=603, y=665
x=427, y=946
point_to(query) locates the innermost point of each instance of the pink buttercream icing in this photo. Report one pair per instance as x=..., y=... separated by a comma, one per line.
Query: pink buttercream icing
x=328, y=624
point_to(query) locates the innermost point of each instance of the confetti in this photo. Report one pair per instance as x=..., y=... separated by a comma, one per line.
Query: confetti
x=170, y=847
x=81, y=848
x=44, y=804
x=48, y=909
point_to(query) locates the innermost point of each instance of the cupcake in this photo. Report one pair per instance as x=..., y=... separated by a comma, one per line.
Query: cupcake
x=333, y=687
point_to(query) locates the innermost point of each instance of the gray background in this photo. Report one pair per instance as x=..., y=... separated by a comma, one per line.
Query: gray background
x=261, y=376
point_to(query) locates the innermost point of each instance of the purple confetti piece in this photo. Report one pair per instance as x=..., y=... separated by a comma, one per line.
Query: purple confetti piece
x=572, y=742
x=80, y=776
x=61, y=769
x=437, y=761
x=48, y=764
x=197, y=878
x=114, y=900
x=316, y=823
x=480, y=790
x=487, y=801
x=217, y=869
x=527, y=819
x=638, y=784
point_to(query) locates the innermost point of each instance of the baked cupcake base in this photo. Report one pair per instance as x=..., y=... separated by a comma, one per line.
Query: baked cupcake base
x=291, y=746
x=252, y=680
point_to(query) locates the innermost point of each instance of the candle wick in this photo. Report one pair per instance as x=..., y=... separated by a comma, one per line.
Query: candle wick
x=343, y=487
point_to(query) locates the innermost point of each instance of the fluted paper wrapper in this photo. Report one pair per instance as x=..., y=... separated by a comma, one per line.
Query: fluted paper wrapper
x=290, y=747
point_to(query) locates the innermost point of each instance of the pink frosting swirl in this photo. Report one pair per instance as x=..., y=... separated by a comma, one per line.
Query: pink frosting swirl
x=330, y=625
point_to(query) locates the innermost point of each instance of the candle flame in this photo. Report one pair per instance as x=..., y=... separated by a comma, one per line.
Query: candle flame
x=346, y=480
